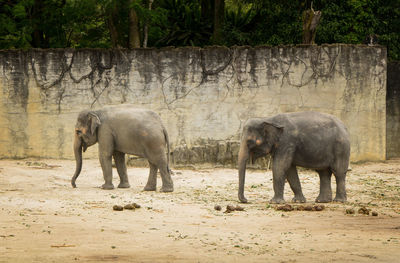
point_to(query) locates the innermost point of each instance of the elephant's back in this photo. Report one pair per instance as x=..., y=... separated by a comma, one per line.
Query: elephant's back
x=127, y=115
x=310, y=121
x=134, y=130
x=315, y=128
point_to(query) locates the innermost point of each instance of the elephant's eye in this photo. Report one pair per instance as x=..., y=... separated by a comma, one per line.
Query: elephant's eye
x=79, y=132
x=250, y=143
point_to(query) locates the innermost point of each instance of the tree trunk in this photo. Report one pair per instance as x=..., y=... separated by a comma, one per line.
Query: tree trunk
x=310, y=22
x=37, y=35
x=134, y=33
x=112, y=28
x=219, y=17
x=207, y=11
x=146, y=28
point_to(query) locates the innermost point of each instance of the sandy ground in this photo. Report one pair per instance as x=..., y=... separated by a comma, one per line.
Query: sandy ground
x=43, y=219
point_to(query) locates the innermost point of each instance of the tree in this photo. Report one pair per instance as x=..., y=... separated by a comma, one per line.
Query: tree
x=310, y=22
x=134, y=33
x=219, y=18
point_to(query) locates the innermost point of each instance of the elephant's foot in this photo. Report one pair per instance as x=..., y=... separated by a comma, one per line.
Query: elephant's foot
x=277, y=200
x=167, y=189
x=242, y=199
x=299, y=199
x=107, y=186
x=340, y=199
x=124, y=185
x=323, y=199
x=150, y=187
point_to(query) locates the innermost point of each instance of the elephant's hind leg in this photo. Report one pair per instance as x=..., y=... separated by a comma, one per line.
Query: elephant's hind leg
x=340, y=176
x=325, y=190
x=294, y=182
x=152, y=180
x=167, y=184
x=119, y=159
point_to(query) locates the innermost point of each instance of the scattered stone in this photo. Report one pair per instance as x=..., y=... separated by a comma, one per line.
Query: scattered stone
x=230, y=208
x=350, y=211
x=363, y=210
x=374, y=213
x=129, y=207
x=217, y=207
x=285, y=208
x=300, y=208
x=319, y=207
x=118, y=208
x=308, y=208
x=136, y=205
x=239, y=208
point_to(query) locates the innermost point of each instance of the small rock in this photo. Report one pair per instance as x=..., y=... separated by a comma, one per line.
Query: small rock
x=118, y=208
x=308, y=208
x=300, y=208
x=285, y=208
x=363, y=210
x=136, y=205
x=129, y=207
x=239, y=208
x=319, y=207
x=350, y=211
x=374, y=213
x=230, y=208
x=217, y=207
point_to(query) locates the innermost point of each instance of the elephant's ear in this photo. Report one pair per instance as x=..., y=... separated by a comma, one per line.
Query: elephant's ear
x=94, y=122
x=272, y=132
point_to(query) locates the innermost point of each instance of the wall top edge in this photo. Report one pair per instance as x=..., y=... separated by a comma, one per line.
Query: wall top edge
x=172, y=48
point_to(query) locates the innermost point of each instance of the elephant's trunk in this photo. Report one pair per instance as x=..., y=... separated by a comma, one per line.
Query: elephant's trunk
x=78, y=158
x=242, y=159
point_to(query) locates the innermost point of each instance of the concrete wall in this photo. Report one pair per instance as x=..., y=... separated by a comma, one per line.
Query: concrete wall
x=203, y=95
x=393, y=110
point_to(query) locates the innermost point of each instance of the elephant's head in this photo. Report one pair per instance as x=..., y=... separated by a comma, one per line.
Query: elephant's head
x=259, y=138
x=85, y=136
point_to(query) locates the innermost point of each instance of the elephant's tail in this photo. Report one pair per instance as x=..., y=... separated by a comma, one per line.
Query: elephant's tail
x=168, y=151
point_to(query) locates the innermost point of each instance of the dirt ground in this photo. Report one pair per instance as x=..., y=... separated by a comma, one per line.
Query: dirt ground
x=43, y=219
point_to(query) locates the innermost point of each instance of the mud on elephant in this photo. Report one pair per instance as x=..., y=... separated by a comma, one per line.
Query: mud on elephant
x=121, y=130
x=308, y=139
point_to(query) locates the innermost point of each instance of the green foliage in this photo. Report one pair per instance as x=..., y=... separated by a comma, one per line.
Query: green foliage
x=183, y=25
x=86, y=23
x=238, y=25
x=15, y=29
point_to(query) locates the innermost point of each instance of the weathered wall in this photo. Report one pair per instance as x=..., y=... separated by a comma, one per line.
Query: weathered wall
x=203, y=95
x=393, y=110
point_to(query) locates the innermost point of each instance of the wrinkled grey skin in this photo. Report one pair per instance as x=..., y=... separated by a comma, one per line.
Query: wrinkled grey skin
x=308, y=139
x=121, y=130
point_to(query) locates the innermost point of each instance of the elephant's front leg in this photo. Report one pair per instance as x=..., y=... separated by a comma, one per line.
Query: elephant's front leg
x=280, y=165
x=119, y=159
x=106, y=166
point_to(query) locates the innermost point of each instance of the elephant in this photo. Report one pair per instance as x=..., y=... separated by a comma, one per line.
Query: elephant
x=121, y=130
x=307, y=139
